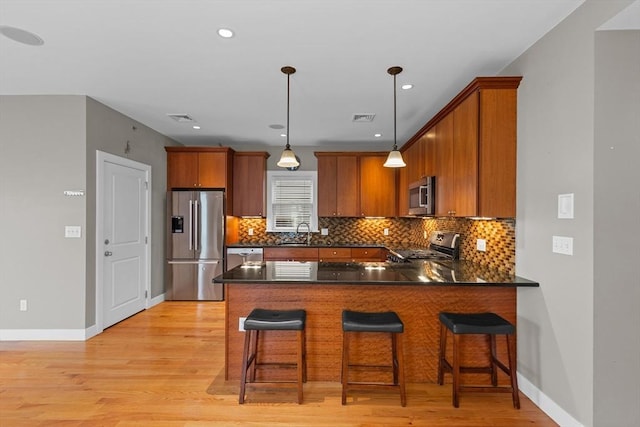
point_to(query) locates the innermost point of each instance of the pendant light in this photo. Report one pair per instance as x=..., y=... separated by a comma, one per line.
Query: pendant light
x=288, y=158
x=394, y=160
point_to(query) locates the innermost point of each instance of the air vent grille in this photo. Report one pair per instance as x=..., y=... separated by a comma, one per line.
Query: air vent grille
x=363, y=117
x=181, y=118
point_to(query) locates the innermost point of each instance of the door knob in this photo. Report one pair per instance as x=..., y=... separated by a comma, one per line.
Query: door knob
x=108, y=253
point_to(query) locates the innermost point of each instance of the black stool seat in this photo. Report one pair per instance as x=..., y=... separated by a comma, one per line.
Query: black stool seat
x=259, y=322
x=363, y=322
x=355, y=321
x=275, y=320
x=488, y=324
x=476, y=323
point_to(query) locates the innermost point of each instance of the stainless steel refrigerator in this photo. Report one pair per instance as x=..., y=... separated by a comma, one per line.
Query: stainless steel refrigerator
x=196, y=227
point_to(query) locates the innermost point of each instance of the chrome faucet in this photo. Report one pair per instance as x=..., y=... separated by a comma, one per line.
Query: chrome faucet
x=308, y=231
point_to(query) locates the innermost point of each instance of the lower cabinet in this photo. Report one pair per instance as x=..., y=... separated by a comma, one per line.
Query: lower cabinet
x=290, y=254
x=328, y=254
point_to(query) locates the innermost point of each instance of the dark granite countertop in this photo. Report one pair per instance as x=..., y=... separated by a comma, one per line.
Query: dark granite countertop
x=416, y=272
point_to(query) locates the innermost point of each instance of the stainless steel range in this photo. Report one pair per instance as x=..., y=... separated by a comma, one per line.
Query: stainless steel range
x=443, y=245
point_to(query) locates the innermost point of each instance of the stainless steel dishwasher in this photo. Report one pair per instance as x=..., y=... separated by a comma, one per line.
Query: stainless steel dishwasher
x=246, y=256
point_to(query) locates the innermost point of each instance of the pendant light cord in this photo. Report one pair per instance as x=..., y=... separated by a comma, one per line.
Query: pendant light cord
x=395, y=143
x=288, y=88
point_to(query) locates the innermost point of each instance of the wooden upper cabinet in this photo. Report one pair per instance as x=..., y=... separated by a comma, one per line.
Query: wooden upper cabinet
x=377, y=186
x=414, y=157
x=199, y=167
x=249, y=183
x=338, y=184
x=445, y=197
x=470, y=147
x=465, y=157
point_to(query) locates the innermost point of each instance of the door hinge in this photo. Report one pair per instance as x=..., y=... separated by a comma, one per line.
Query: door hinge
x=146, y=185
x=146, y=240
x=146, y=294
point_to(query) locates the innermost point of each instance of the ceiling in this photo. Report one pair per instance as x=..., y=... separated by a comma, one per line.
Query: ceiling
x=148, y=59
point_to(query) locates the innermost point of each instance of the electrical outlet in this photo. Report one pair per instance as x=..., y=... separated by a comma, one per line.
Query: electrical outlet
x=386, y=232
x=424, y=234
x=23, y=305
x=251, y=232
x=324, y=231
x=562, y=245
x=241, y=323
x=481, y=245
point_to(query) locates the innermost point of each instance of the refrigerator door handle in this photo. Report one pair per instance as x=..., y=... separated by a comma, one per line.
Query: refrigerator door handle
x=190, y=225
x=196, y=226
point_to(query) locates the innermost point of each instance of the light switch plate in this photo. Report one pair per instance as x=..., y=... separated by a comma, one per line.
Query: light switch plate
x=565, y=206
x=241, y=323
x=72, y=231
x=481, y=245
x=250, y=232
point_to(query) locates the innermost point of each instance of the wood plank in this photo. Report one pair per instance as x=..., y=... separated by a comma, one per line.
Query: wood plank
x=165, y=367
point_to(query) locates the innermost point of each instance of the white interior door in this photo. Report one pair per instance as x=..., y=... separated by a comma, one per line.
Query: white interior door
x=122, y=247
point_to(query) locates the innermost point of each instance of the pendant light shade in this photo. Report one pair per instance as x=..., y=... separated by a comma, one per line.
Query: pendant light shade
x=288, y=158
x=394, y=160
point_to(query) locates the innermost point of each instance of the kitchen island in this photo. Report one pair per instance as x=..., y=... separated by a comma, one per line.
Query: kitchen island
x=416, y=290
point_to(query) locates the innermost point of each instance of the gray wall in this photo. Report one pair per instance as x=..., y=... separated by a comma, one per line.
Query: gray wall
x=616, y=368
x=47, y=145
x=556, y=151
x=42, y=153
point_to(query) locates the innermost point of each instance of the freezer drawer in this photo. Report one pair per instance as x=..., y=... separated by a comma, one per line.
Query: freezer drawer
x=192, y=281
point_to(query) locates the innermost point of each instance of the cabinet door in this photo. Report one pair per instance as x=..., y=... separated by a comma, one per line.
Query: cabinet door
x=346, y=184
x=212, y=170
x=465, y=157
x=430, y=152
x=444, y=167
x=182, y=170
x=327, y=186
x=249, y=184
x=377, y=187
x=497, y=178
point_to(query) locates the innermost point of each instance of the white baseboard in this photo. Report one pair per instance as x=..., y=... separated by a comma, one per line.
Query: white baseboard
x=58, y=334
x=547, y=405
x=43, y=334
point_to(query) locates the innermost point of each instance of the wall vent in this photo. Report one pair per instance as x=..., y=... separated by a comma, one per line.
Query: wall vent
x=363, y=117
x=181, y=118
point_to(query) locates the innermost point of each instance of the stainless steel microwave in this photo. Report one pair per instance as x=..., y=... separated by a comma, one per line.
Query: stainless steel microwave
x=422, y=196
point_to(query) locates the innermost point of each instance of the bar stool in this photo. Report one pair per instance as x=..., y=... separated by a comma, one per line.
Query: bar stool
x=477, y=323
x=273, y=320
x=353, y=321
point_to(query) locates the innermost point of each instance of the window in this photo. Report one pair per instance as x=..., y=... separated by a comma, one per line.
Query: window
x=291, y=200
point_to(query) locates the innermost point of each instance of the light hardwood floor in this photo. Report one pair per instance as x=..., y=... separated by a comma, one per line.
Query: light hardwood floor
x=165, y=367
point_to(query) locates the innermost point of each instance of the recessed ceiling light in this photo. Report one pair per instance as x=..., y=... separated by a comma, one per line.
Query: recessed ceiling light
x=284, y=135
x=378, y=135
x=196, y=127
x=21, y=36
x=407, y=86
x=225, y=33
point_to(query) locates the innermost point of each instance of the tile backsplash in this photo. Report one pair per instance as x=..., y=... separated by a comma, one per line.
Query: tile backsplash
x=402, y=232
